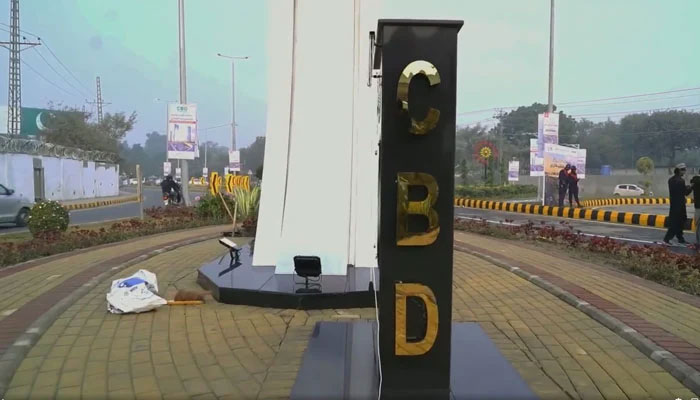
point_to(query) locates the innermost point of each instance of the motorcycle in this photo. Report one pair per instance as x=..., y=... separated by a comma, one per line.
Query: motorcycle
x=170, y=199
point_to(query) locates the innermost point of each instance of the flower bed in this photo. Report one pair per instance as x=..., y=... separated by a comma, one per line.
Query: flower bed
x=158, y=220
x=495, y=192
x=655, y=263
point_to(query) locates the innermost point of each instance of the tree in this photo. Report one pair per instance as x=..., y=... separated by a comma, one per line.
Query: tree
x=72, y=128
x=463, y=171
x=645, y=165
x=252, y=156
x=259, y=172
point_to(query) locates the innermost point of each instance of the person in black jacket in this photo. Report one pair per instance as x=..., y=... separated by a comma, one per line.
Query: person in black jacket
x=677, y=215
x=169, y=185
x=563, y=184
x=695, y=186
x=573, y=187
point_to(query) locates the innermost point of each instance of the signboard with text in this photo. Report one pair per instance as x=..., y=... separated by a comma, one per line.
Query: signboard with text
x=415, y=246
x=182, y=131
x=536, y=163
x=234, y=160
x=167, y=168
x=547, y=131
x=513, y=170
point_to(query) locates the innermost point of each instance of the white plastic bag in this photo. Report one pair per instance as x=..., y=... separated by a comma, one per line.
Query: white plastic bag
x=135, y=294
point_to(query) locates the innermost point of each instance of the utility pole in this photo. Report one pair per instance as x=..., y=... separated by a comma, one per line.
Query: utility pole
x=550, y=100
x=183, y=93
x=14, y=92
x=98, y=100
x=550, y=105
x=233, y=96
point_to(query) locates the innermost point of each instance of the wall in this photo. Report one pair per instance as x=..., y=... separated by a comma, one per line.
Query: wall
x=326, y=131
x=599, y=186
x=64, y=179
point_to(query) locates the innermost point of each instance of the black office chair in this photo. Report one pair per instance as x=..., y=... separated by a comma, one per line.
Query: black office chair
x=308, y=267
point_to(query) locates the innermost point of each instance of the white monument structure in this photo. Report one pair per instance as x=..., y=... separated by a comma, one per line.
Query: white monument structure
x=320, y=186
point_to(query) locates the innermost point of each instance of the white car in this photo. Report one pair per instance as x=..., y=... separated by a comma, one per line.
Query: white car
x=14, y=208
x=628, y=190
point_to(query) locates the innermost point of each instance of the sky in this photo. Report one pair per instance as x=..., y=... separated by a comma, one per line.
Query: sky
x=603, y=49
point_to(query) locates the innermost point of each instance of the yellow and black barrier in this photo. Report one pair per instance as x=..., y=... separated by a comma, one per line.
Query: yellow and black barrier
x=628, y=218
x=100, y=203
x=629, y=201
x=215, y=181
x=233, y=181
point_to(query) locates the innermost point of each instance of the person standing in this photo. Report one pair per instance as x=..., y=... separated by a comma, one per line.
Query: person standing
x=563, y=184
x=695, y=186
x=677, y=214
x=573, y=187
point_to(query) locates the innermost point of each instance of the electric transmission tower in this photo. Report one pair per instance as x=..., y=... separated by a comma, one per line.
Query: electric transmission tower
x=98, y=101
x=15, y=45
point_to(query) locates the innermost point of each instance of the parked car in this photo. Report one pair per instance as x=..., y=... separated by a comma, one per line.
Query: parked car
x=628, y=190
x=14, y=208
x=133, y=181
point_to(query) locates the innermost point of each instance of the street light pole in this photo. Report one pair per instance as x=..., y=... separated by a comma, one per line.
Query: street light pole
x=550, y=105
x=233, y=96
x=183, y=92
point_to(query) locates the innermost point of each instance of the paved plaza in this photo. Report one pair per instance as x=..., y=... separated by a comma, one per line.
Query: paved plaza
x=218, y=351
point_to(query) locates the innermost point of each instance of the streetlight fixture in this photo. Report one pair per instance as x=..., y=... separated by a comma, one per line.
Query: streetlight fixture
x=233, y=95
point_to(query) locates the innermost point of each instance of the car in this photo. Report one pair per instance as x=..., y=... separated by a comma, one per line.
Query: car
x=133, y=181
x=14, y=208
x=628, y=189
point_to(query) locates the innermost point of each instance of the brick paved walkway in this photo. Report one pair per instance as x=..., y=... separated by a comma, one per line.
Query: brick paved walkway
x=669, y=318
x=224, y=351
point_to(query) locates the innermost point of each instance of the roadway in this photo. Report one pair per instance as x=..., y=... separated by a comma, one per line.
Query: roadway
x=151, y=198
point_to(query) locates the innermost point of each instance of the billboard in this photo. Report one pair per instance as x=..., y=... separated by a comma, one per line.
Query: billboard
x=33, y=121
x=182, y=131
x=536, y=163
x=547, y=131
x=513, y=170
x=234, y=160
x=555, y=159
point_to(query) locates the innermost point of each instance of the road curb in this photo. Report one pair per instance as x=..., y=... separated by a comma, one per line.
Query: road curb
x=685, y=374
x=632, y=201
x=14, y=355
x=99, y=203
x=620, y=217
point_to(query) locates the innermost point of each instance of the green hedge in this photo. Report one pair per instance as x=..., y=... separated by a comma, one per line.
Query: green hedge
x=493, y=192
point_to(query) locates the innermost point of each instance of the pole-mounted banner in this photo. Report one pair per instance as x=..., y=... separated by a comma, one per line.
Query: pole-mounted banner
x=418, y=97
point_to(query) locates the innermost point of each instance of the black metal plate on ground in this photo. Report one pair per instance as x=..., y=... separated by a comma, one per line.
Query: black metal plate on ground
x=251, y=285
x=339, y=363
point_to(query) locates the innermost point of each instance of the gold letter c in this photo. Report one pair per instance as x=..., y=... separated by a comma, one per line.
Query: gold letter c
x=429, y=71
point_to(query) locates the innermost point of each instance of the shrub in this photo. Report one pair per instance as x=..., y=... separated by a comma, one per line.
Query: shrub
x=160, y=220
x=212, y=207
x=501, y=192
x=248, y=202
x=48, y=218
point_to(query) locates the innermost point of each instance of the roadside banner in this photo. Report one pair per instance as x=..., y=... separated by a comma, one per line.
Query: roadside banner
x=234, y=160
x=178, y=173
x=205, y=172
x=536, y=163
x=581, y=164
x=182, y=131
x=513, y=170
x=547, y=131
x=167, y=168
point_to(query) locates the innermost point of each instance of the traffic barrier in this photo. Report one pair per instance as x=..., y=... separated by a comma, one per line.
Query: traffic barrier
x=233, y=181
x=215, y=181
x=99, y=203
x=628, y=218
x=629, y=201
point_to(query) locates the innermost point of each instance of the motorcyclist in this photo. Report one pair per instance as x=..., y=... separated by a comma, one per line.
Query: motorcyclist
x=168, y=185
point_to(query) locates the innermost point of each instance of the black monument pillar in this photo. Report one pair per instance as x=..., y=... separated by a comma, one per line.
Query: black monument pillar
x=417, y=151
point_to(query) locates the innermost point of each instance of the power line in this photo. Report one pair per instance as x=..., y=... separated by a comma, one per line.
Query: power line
x=634, y=111
x=57, y=73
x=64, y=66
x=587, y=101
x=22, y=30
x=47, y=80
